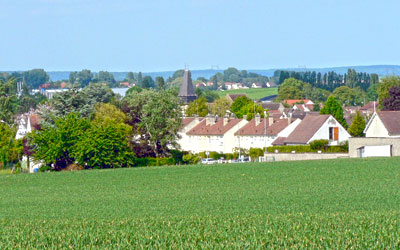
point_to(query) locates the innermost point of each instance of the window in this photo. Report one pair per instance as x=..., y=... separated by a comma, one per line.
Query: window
x=333, y=133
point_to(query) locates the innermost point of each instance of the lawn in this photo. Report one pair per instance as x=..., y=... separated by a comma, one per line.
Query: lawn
x=251, y=93
x=344, y=203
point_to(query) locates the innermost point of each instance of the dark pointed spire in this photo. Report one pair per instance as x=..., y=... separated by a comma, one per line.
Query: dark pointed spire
x=187, y=92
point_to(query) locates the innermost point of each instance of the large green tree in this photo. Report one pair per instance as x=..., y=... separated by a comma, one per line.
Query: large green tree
x=155, y=117
x=198, y=107
x=291, y=89
x=35, y=77
x=82, y=78
x=393, y=101
x=105, y=145
x=55, y=144
x=384, y=86
x=333, y=107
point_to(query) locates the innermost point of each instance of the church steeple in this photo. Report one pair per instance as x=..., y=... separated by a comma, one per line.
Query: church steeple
x=187, y=92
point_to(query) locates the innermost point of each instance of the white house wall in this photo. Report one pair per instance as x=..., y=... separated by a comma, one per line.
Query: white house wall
x=184, y=141
x=255, y=141
x=376, y=128
x=323, y=132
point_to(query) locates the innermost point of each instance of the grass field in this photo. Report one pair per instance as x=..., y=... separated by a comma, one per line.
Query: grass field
x=346, y=203
x=251, y=93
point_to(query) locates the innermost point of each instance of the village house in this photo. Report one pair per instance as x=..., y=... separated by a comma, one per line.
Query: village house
x=315, y=127
x=369, y=108
x=26, y=123
x=234, y=85
x=187, y=124
x=271, y=84
x=256, y=85
x=214, y=134
x=292, y=102
x=383, y=124
x=261, y=132
x=271, y=106
x=382, y=136
x=232, y=97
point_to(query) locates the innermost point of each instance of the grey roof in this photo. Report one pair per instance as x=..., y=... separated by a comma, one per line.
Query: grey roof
x=187, y=92
x=391, y=120
x=271, y=105
x=306, y=129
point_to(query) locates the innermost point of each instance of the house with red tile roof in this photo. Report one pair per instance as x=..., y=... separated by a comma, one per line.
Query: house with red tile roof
x=316, y=127
x=261, y=132
x=214, y=134
x=187, y=124
x=298, y=101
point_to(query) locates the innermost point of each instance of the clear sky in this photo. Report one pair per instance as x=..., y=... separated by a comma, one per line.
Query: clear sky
x=160, y=35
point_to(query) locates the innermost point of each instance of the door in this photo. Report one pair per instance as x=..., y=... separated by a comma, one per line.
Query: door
x=336, y=134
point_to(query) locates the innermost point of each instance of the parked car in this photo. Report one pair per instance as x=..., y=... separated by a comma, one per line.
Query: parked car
x=208, y=161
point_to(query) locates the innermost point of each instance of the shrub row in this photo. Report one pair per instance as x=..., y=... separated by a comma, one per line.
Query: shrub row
x=312, y=148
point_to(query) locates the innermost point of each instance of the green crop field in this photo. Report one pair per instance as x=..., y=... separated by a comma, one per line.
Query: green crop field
x=251, y=93
x=337, y=204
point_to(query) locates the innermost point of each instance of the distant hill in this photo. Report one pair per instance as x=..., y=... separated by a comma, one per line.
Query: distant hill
x=381, y=70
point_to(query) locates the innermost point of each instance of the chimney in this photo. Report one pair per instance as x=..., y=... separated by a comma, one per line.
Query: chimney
x=196, y=118
x=245, y=117
x=289, y=120
x=257, y=119
x=210, y=120
x=226, y=119
x=270, y=120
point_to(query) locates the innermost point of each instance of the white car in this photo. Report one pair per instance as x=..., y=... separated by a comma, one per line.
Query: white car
x=208, y=161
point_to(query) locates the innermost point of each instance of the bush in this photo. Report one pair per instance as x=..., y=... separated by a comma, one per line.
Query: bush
x=191, y=158
x=255, y=153
x=152, y=161
x=343, y=148
x=318, y=144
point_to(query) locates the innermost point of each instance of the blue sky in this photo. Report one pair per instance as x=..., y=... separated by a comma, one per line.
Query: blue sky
x=155, y=35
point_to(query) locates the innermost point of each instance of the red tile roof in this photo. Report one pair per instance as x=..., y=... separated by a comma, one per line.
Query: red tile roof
x=391, y=120
x=292, y=102
x=273, y=129
x=216, y=129
x=187, y=120
x=306, y=129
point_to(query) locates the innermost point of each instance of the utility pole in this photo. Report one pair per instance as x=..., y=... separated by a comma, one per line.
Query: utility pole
x=265, y=131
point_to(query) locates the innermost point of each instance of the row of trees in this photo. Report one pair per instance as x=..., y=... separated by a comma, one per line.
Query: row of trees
x=330, y=80
x=292, y=88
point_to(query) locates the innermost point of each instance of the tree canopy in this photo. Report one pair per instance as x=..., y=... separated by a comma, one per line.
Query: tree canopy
x=333, y=107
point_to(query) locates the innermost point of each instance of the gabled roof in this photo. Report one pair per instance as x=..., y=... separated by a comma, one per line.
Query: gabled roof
x=369, y=106
x=187, y=120
x=234, y=96
x=271, y=106
x=280, y=141
x=306, y=129
x=273, y=129
x=215, y=129
x=294, y=101
x=391, y=120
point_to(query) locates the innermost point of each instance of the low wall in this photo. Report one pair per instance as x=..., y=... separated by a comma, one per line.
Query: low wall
x=301, y=156
x=358, y=142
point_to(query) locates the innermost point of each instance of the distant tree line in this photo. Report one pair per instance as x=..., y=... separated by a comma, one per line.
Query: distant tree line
x=331, y=80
